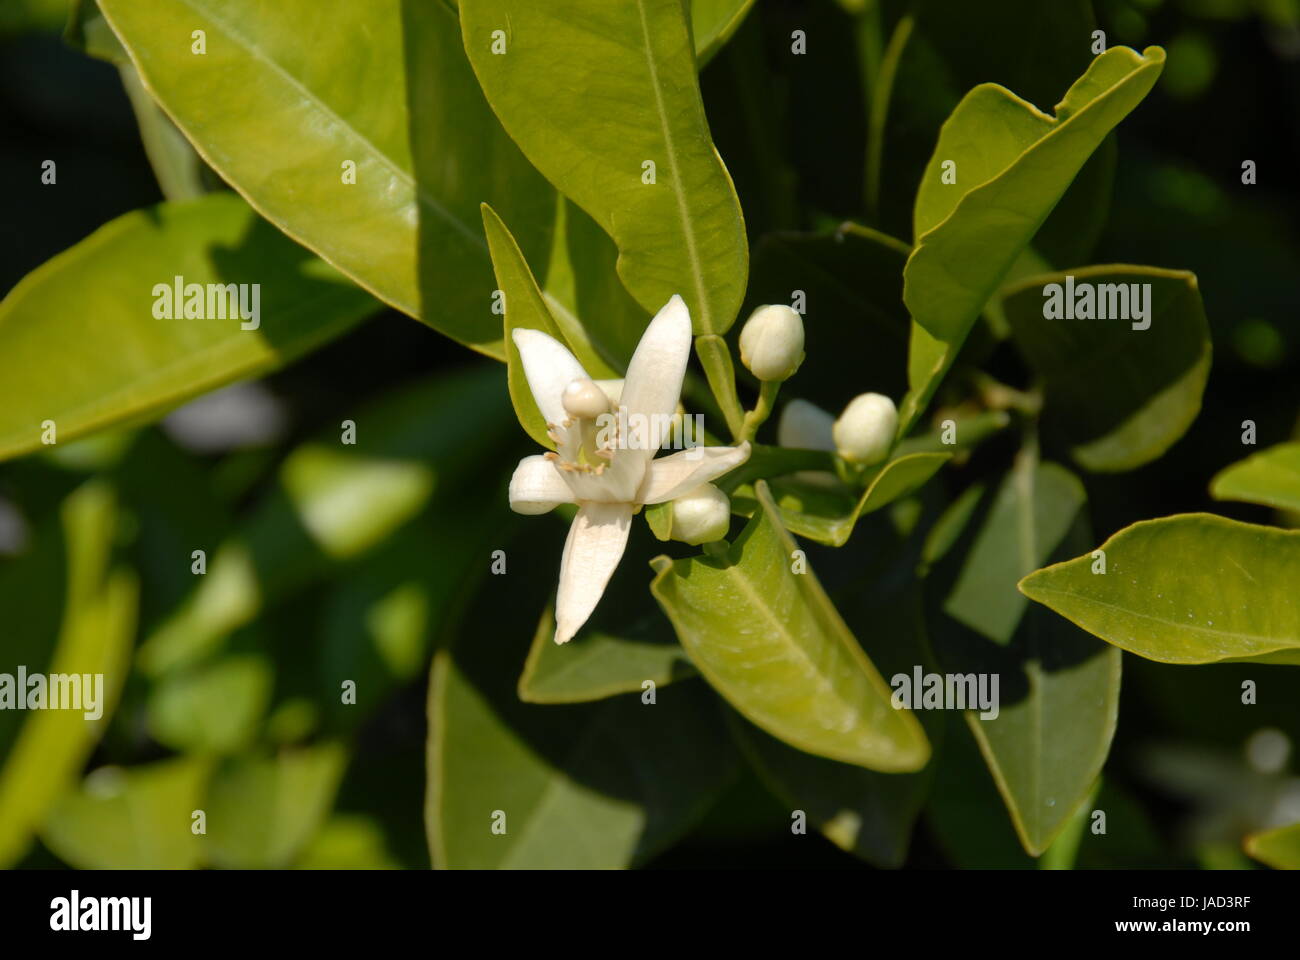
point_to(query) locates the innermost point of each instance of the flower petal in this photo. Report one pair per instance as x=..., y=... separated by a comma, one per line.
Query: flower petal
x=549, y=367
x=654, y=377
x=595, y=545
x=670, y=477
x=537, y=486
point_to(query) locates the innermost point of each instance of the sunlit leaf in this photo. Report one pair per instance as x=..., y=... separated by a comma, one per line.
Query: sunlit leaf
x=86, y=370
x=261, y=812
x=677, y=223
x=133, y=818
x=1192, y=588
x=769, y=640
x=69, y=568
x=1011, y=164
x=1270, y=477
x=407, y=114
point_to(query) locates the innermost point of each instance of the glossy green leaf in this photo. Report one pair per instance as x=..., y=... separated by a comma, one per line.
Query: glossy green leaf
x=770, y=641
x=133, y=818
x=600, y=663
x=681, y=234
x=1192, y=588
x=1270, y=477
x=1120, y=396
x=261, y=812
x=407, y=114
x=867, y=813
x=1057, y=697
x=86, y=371
x=1279, y=848
x=713, y=22
x=597, y=786
x=1030, y=47
x=827, y=512
x=1012, y=165
x=525, y=309
x=69, y=568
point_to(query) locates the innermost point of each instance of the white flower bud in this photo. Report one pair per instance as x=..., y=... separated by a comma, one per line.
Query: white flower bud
x=805, y=426
x=583, y=400
x=865, y=430
x=701, y=516
x=771, y=342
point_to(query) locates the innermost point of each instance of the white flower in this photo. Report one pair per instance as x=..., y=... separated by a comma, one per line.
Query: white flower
x=701, y=516
x=865, y=430
x=607, y=473
x=771, y=342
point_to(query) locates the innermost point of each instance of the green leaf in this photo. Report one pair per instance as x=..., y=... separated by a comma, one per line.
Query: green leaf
x=594, y=311
x=47, y=748
x=408, y=114
x=866, y=813
x=1279, y=848
x=524, y=310
x=88, y=31
x=1058, y=689
x=1120, y=396
x=121, y=364
x=600, y=663
x=347, y=842
x=827, y=512
x=1192, y=588
x=682, y=234
x=712, y=24
x=770, y=641
x=263, y=811
x=596, y=786
x=1270, y=477
x=334, y=502
x=215, y=708
x=1013, y=163
x=133, y=818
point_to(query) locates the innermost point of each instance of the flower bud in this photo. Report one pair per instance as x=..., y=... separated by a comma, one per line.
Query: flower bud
x=584, y=400
x=771, y=342
x=865, y=430
x=701, y=516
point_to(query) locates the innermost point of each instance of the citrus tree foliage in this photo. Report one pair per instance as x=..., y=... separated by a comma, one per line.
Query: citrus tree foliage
x=807, y=325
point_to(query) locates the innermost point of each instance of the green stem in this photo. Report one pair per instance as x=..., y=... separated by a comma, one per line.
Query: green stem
x=721, y=374
x=880, y=91
x=762, y=410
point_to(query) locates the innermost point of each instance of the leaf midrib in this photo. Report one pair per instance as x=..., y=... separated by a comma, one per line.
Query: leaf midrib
x=683, y=211
x=200, y=9
x=1191, y=628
